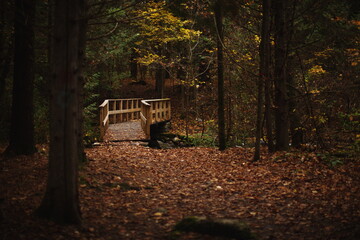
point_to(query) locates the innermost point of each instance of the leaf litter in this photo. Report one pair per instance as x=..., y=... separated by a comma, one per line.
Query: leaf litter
x=128, y=191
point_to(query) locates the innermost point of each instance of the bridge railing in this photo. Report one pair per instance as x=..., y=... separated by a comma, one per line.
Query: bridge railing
x=117, y=111
x=153, y=111
x=123, y=110
x=104, y=118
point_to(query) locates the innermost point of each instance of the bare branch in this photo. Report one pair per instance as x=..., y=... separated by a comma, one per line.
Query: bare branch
x=104, y=35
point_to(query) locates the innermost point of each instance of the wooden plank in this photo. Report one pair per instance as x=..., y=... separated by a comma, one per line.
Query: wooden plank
x=125, y=111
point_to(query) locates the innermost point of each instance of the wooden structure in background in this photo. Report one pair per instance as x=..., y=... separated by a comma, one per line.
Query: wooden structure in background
x=122, y=110
x=154, y=111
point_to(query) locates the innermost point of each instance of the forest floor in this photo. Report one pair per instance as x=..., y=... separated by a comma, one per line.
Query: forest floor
x=129, y=191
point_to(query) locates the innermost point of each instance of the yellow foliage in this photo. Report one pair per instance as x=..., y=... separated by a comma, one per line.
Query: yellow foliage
x=324, y=54
x=316, y=69
x=156, y=24
x=148, y=58
x=157, y=27
x=353, y=56
x=257, y=38
x=315, y=91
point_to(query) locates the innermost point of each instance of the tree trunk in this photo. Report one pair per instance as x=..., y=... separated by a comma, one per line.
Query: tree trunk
x=6, y=63
x=280, y=77
x=296, y=129
x=220, y=60
x=133, y=65
x=264, y=72
x=269, y=114
x=82, y=55
x=267, y=77
x=229, y=132
x=143, y=71
x=6, y=52
x=61, y=200
x=22, y=119
x=160, y=81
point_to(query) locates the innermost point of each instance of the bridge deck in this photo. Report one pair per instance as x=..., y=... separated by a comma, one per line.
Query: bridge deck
x=125, y=131
x=148, y=112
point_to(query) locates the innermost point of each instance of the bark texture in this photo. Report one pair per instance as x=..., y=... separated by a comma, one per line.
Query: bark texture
x=264, y=71
x=22, y=120
x=280, y=76
x=220, y=60
x=61, y=200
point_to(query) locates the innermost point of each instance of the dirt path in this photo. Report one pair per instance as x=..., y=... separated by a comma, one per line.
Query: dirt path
x=125, y=131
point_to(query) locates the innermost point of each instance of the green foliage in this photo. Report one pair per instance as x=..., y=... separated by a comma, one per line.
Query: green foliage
x=203, y=140
x=91, y=133
x=108, y=57
x=356, y=147
x=332, y=159
x=348, y=124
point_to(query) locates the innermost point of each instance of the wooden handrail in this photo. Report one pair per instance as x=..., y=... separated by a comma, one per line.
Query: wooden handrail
x=154, y=111
x=118, y=110
x=123, y=110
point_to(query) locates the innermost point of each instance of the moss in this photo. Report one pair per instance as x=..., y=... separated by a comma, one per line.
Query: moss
x=226, y=228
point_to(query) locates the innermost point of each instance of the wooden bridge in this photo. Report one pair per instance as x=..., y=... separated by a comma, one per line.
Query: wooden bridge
x=135, y=110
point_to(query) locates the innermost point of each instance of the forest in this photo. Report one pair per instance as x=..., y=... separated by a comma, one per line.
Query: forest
x=246, y=120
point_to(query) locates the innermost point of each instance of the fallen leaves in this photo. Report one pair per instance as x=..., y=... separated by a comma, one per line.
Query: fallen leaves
x=128, y=191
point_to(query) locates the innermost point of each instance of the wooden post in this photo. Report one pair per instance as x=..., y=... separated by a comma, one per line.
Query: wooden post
x=100, y=122
x=104, y=113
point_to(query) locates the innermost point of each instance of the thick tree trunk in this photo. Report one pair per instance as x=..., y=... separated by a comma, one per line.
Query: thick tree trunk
x=22, y=121
x=220, y=60
x=280, y=77
x=61, y=200
x=6, y=52
x=6, y=63
x=82, y=55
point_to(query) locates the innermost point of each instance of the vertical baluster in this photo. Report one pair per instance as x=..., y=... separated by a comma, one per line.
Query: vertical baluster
x=118, y=107
x=169, y=110
x=121, y=108
x=131, y=102
x=163, y=110
x=137, y=108
x=150, y=119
